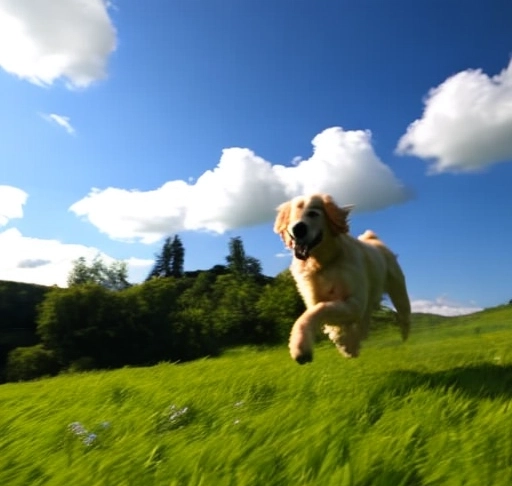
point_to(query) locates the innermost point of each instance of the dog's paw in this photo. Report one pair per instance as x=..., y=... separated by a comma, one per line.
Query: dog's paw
x=301, y=354
x=349, y=346
x=404, y=331
x=348, y=353
x=304, y=358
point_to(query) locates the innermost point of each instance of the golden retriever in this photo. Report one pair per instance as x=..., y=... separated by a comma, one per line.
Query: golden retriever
x=341, y=278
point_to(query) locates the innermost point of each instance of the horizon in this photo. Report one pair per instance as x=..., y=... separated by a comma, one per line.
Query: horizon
x=124, y=124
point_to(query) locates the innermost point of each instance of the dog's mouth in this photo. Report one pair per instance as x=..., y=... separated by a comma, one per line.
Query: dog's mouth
x=302, y=250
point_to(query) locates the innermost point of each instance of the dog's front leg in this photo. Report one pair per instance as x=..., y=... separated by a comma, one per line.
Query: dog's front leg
x=301, y=338
x=339, y=313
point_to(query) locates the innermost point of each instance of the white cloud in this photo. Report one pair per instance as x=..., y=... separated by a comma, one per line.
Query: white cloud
x=138, y=269
x=60, y=120
x=466, y=124
x=284, y=254
x=44, y=40
x=12, y=200
x=443, y=307
x=48, y=262
x=245, y=189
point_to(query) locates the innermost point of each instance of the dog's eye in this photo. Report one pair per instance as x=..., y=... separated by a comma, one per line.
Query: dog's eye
x=312, y=214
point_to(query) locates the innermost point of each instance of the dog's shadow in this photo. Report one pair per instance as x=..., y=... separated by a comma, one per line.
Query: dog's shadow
x=486, y=380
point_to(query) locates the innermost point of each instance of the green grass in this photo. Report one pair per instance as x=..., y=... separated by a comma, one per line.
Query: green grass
x=434, y=411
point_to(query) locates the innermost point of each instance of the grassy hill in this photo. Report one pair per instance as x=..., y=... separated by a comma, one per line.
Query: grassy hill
x=433, y=411
x=492, y=313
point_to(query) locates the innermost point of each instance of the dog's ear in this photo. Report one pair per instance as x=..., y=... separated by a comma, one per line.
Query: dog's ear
x=282, y=221
x=337, y=217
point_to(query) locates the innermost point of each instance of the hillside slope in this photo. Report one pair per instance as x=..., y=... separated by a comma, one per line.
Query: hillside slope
x=432, y=411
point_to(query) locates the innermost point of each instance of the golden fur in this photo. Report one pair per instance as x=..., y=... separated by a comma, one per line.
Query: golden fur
x=340, y=278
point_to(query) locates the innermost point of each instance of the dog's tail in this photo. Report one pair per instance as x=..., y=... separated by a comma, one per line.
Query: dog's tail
x=371, y=238
x=395, y=282
x=397, y=290
x=368, y=235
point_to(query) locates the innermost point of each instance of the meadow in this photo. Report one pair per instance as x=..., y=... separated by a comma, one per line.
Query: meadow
x=433, y=411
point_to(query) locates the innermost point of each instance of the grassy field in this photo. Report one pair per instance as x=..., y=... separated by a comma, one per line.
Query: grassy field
x=434, y=411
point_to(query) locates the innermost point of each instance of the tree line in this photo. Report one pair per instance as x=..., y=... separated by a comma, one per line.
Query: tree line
x=102, y=321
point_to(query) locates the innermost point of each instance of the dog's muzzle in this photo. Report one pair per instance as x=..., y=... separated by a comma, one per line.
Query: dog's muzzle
x=299, y=236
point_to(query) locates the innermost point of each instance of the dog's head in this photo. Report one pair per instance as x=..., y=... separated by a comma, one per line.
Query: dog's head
x=305, y=221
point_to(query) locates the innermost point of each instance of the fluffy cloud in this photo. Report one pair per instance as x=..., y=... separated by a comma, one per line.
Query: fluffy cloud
x=62, y=121
x=48, y=262
x=443, y=307
x=45, y=40
x=12, y=200
x=466, y=124
x=245, y=189
x=284, y=254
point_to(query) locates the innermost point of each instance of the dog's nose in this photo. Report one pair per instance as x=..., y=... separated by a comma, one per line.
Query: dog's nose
x=300, y=230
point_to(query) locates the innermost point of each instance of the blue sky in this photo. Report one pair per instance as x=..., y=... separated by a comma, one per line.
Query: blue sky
x=124, y=122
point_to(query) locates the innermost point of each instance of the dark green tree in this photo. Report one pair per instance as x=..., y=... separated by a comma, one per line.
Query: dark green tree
x=151, y=310
x=170, y=261
x=82, y=320
x=278, y=306
x=235, y=318
x=162, y=266
x=178, y=257
x=197, y=306
x=236, y=258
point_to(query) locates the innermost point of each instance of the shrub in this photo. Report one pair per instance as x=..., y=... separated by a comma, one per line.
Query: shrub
x=28, y=363
x=85, y=363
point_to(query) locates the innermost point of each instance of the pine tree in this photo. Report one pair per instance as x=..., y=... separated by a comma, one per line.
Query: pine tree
x=162, y=266
x=169, y=262
x=178, y=257
x=236, y=257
